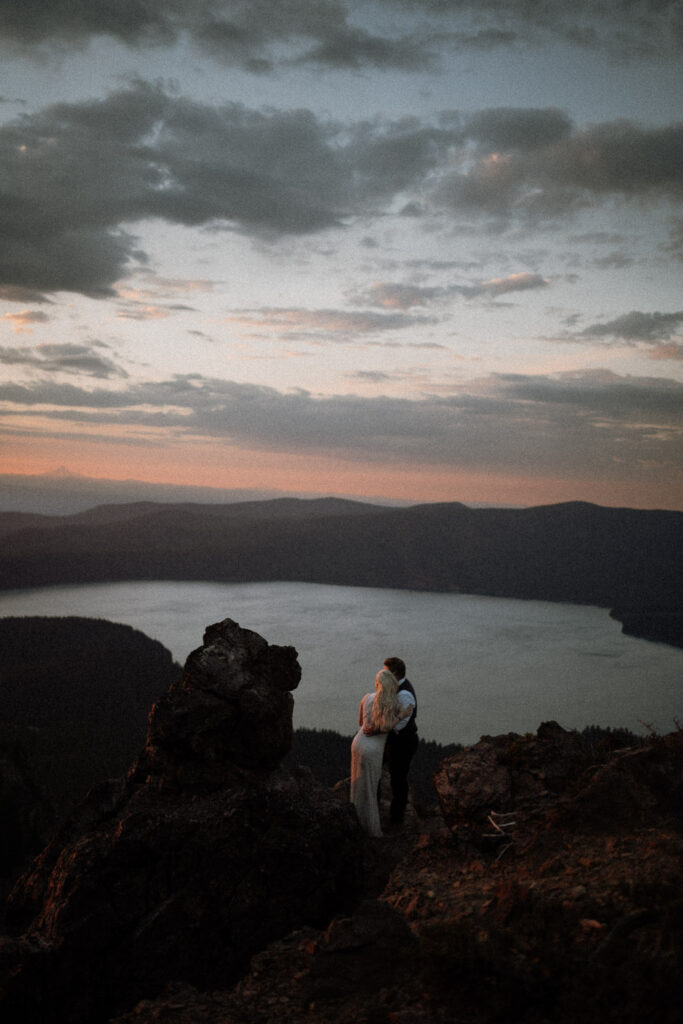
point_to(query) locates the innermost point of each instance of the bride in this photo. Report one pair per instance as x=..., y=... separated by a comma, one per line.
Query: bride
x=378, y=714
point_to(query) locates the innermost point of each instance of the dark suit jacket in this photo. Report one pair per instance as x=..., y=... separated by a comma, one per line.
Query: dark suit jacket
x=408, y=734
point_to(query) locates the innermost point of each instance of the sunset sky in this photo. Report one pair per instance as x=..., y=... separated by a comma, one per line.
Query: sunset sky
x=426, y=250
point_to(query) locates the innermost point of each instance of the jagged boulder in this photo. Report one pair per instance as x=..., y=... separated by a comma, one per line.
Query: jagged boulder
x=203, y=855
x=556, y=772
x=508, y=773
x=230, y=712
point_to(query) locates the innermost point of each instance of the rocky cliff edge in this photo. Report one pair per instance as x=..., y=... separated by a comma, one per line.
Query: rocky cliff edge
x=211, y=887
x=203, y=855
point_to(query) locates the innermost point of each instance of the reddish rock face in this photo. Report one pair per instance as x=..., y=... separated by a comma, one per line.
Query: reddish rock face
x=207, y=852
x=508, y=773
x=554, y=777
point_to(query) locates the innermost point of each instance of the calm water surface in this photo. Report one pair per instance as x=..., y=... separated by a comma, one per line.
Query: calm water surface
x=480, y=664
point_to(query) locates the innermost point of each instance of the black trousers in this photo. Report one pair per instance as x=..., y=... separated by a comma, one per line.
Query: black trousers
x=401, y=749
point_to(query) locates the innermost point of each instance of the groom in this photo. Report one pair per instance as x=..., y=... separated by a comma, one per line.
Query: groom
x=401, y=742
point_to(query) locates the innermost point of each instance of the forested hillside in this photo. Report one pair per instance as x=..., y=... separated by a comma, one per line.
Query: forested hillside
x=328, y=755
x=75, y=694
x=627, y=560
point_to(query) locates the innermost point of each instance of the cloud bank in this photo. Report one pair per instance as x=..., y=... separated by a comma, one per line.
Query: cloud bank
x=80, y=175
x=332, y=33
x=584, y=424
x=78, y=360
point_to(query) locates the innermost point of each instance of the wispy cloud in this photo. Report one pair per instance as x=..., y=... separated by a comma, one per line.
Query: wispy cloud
x=140, y=311
x=637, y=326
x=658, y=334
x=504, y=285
x=321, y=324
x=86, y=360
x=571, y=424
x=25, y=320
x=391, y=295
x=672, y=350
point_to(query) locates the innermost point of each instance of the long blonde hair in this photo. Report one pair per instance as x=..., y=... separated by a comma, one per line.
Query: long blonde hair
x=385, y=704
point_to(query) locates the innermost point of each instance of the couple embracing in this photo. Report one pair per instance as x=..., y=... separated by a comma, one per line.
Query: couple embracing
x=388, y=732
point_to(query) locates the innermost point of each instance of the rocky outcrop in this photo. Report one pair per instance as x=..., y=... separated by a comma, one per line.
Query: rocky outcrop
x=212, y=887
x=570, y=915
x=556, y=777
x=503, y=777
x=201, y=857
x=230, y=714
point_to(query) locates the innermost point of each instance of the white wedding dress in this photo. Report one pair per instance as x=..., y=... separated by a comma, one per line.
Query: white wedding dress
x=367, y=753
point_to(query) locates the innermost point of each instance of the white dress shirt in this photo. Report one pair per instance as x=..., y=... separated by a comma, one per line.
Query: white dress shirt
x=405, y=700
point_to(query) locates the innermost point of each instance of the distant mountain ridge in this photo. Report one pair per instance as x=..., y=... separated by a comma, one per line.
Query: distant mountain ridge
x=628, y=560
x=63, y=492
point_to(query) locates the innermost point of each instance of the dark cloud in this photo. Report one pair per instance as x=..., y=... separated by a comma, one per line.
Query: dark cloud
x=74, y=359
x=247, y=33
x=14, y=293
x=354, y=48
x=638, y=327
x=254, y=33
x=76, y=174
x=621, y=28
x=620, y=158
x=72, y=21
x=579, y=424
x=316, y=33
x=565, y=173
x=386, y=158
x=511, y=129
x=87, y=261
x=604, y=395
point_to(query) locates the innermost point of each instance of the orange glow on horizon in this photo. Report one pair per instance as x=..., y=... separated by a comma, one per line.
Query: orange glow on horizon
x=223, y=467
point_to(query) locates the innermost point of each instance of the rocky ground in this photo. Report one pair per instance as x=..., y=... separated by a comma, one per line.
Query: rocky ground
x=213, y=887
x=566, y=915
